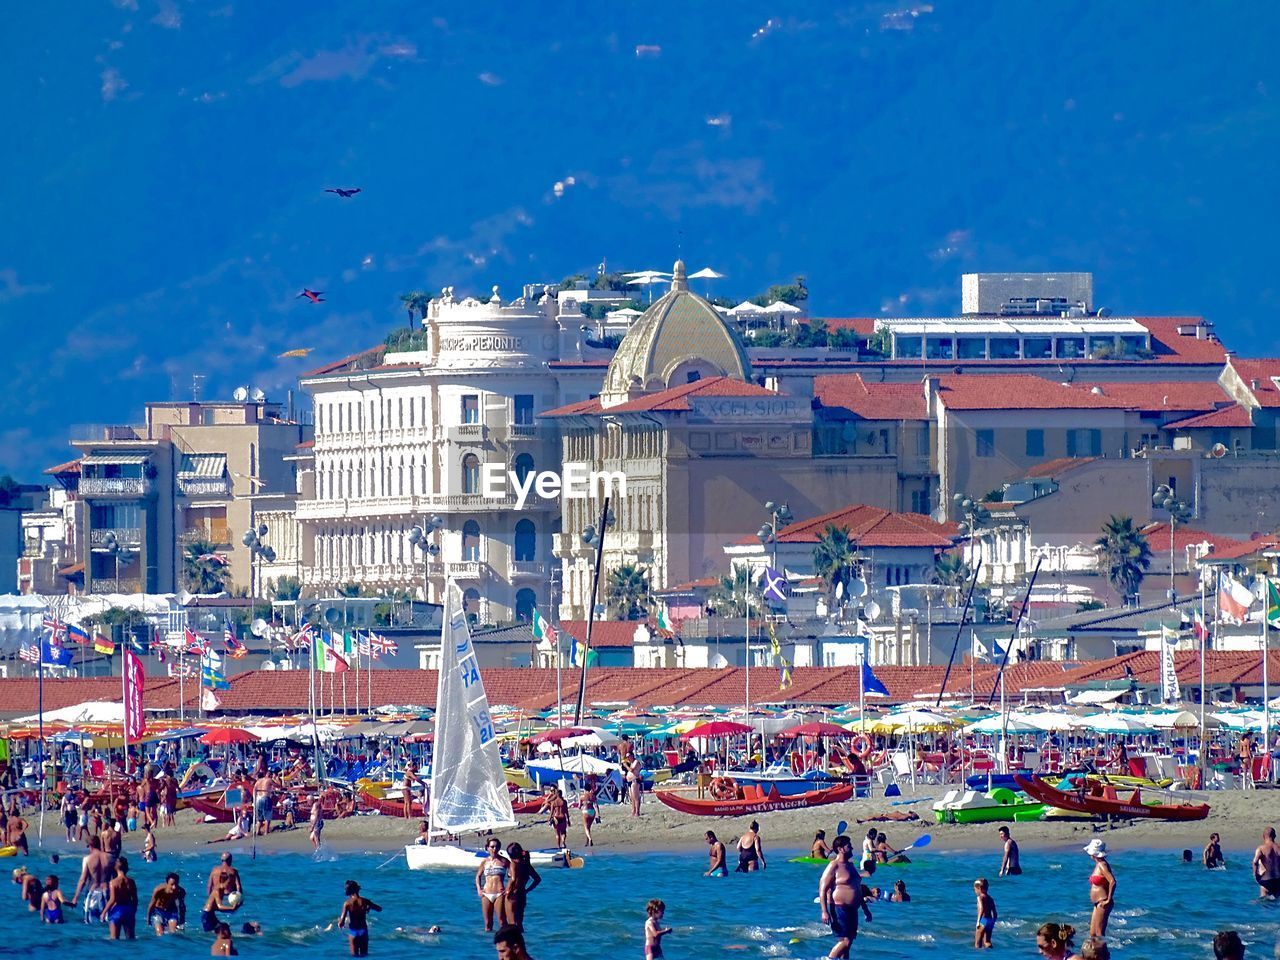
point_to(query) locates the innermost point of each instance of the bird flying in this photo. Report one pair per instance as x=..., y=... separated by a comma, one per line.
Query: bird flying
x=315, y=296
x=296, y=352
x=345, y=192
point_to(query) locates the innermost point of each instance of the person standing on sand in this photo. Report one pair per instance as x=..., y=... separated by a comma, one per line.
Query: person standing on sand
x=1266, y=864
x=1244, y=750
x=589, y=809
x=558, y=815
x=355, y=917
x=1213, y=857
x=1009, y=864
x=635, y=785
x=718, y=866
x=1102, y=888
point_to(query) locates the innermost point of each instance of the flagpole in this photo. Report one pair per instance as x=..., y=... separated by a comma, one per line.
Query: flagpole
x=1204, y=642
x=44, y=780
x=1266, y=691
x=182, y=689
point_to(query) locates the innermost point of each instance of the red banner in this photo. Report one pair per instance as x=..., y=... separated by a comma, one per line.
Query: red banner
x=135, y=722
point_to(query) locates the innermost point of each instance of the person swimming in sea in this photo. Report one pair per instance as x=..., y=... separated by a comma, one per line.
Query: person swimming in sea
x=223, y=945
x=122, y=903
x=840, y=895
x=355, y=917
x=819, y=846
x=1266, y=864
x=987, y=915
x=717, y=853
x=51, y=901
x=1212, y=856
x=654, y=931
x=163, y=911
x=750, y=850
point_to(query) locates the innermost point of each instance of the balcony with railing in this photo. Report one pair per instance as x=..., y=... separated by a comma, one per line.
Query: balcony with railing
x=527, y=568
x=114, y=486
x=467, y=432
x=522, y=431
x=218, y=534
x=467, y=569
x=114, y=585
x=218, y=487
x=125, y=536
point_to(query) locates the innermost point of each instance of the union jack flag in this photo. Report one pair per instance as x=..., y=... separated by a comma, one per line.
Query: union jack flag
x=382, y=645
x=235, y=649
x=31, y=654
x=55, y=626
x=300, y=640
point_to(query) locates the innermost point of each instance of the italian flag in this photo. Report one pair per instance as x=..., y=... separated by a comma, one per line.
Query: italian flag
x=543, y=630
x=664, y=622
x=326, y=659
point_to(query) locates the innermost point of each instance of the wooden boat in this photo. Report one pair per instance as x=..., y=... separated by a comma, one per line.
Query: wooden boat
x=751, y=800
x=1000, y=805
x=219, y=811
x=1102, y=800
x=390, y=806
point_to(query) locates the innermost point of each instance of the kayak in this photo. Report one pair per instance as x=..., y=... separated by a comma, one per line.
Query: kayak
x=822, y=860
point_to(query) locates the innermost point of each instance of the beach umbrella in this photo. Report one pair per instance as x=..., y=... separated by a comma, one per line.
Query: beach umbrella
x=647, y=273
x=917, y=720
x=227, y=735
x=706, y=273
x=594, y=737
x=716, y=728
x=815, y=729
x=556, y=734
x=781, y=308
x=994, y=724
x=1117, y=723
x=1178, y=720
x=1053, y=721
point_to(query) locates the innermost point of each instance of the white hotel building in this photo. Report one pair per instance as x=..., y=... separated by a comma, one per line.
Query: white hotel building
x=404, y=436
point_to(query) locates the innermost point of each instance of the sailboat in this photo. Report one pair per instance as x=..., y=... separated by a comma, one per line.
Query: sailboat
x=468, y=791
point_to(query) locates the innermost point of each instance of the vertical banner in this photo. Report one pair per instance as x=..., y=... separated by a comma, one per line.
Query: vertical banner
x=135, y=723
x=1170, y=690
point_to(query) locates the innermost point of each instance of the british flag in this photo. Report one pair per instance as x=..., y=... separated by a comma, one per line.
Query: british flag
x=381, y=645
x=55, y=626
x=300, y=640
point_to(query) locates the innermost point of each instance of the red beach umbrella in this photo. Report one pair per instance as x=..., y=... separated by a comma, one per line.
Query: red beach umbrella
x=227, y=736
x=556, y=734
x=716, y=728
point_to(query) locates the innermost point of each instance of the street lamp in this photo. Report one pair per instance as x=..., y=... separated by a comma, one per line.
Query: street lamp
x=420, y=538
x=1179, y=511
x=779, y=516
x=258, y=551
x=118, y=551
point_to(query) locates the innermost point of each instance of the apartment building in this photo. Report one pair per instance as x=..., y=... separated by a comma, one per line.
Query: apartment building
x=187, y=475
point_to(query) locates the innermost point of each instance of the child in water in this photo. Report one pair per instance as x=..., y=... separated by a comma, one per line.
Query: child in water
x=986, y=915
x=653, y=929
x=51, y=902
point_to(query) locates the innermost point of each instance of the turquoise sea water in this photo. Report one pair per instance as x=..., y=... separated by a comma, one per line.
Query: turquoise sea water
x=1165, y=911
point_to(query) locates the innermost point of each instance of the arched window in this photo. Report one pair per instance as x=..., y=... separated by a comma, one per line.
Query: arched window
x=526, y=599
x=523, y=466
x=470, y=473
x=526, y=540
x=470, y=541
x=471, y=604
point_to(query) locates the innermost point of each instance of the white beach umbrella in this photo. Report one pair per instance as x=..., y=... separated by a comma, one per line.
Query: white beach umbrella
x=781, y=307
x=647, y=273
x=746, y=308
x=918, y=720
x=1179, y=720
x=595, y=738
x=995, y=724
x=1118, y=723
x=706, y=273
x=1053, y=721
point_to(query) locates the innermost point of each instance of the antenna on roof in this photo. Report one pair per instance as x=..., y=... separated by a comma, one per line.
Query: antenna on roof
x=197, y=384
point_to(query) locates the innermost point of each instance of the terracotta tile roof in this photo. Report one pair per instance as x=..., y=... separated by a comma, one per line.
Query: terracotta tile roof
x=1057, y=467
x=672, y=400
x=1241, y=667
x=1263, y=370
x=19, y=695
x=605, y=633
x=871, y=401
x=1157, y=535
x=863, y=326
x=873, y=527
x=1170, y=346
x=306, y=445
x=1019, y=391
x=1243, y=549
x=71, y=466
x=1017, y=677
x=1158, y=395
x=1232, y=416
x=705, y=583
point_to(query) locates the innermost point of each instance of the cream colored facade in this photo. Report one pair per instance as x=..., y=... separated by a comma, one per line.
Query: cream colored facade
x=408, y=436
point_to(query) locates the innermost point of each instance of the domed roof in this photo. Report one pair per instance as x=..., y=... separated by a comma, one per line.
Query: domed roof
x=679, y=335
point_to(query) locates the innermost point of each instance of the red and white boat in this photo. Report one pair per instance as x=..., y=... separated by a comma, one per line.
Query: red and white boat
x=751, y=799
x=1102, y=799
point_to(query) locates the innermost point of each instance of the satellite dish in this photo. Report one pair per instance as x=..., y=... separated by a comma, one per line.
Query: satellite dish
x=1218, y=451
x=872, y=610
x=258, y=628
x=859, y=588
x=257, y=395
x=333, y=615
x=719, y=661
x=240, y=394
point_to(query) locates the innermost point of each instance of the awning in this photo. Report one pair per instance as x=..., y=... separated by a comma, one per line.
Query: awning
x=1097, y=696
x=209, y=465
x=116, y=459
x=71, y=570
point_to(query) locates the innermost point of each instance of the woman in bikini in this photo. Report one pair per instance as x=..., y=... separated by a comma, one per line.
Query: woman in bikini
x=557, y=815
x=750, y=850
x=524, y=878
x=589, y=809
x=491, y=883
x=1102, y=888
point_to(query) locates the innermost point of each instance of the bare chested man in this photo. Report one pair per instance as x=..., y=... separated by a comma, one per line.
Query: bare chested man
x=165, y=909
x=717, y=865
x=95, y=876
x=224, y=880
x=1266, y=864
x=840, y=894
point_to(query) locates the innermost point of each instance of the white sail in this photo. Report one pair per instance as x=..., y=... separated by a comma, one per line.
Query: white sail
x=468, y=789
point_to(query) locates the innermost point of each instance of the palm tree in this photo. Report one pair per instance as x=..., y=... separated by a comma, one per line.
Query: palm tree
x=627, y=592
x=350, y=590
x=204, y=570
x=835, y=558
x=415, y=301
x=1124, y=554
x=732, y=596
x=287, y=588
x=951, y=571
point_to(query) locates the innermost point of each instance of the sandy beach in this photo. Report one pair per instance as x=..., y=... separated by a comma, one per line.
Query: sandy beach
x=1238, y=816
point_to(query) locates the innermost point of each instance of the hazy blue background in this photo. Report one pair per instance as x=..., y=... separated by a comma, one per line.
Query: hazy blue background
x=163, y=163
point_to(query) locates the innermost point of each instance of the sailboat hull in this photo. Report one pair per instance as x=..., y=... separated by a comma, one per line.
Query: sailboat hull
x=448, y=856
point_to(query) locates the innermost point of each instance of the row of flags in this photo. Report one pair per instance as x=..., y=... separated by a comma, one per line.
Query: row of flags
x=1235, y=600
x=543, y=630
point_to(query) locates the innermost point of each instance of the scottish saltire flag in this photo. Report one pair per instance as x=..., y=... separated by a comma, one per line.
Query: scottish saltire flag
x=773, y=586
x=871, y=685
